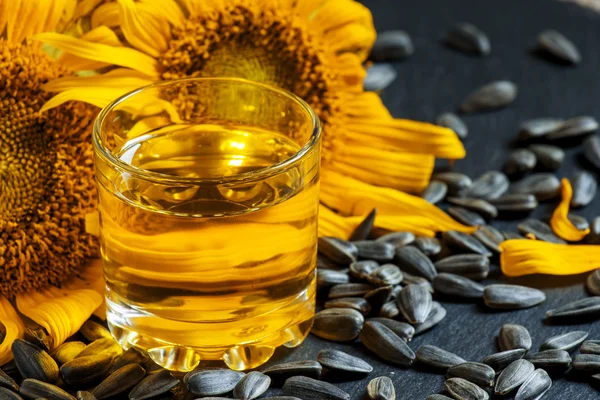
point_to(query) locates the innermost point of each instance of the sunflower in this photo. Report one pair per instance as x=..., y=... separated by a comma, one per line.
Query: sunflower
x=313, y=48
x=46, y=186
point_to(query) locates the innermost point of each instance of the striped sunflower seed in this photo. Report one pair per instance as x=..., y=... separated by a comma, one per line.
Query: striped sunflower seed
x=591, y=150
x=93, y=331
x=9, y=383
x=362, y=230
x=372, y=250
x=535, y=386
x=453, y=121
x=464, y=243
x=519, y=162
x=387, y=274
x=538, y=128
x=462, y=389
x=415, y=261
x=398, y=239
x=102, y=346
x=499, y=361
x=379, y=77
x=515, y=203
x=436, y=357
x=85, y=395
x=457, y=286
x=465, y=216
x=211, y=382
x=584, y=189
x=473, y=266
x=349, y=290
x=357, y=303
x=6, y=394
x=550, y=359
x=468, y=38
x=512, y=297
x=457, y=182
x=67, y=351
x=382, y=341
x=413, y=280
x=330, y=277
x=548, y=156
x=120, y=381
x=130, y=356
x=389, y=310
x=438, y=397
x=252, y=385
x=381, y=388
x=429, y=246
x=513, y=376
x=541, y=230
x=378, y=297
x=34, y=362
x=402, y=329
x=436, y=315
x=336, y=360
x=35, y=389
x=83, y=371
x=414, y=302
x=490, y=237
x=514, y=336
x=574, y=127
x=544, y=186
x=392, y=45
x=557, y=45
x=480, y=374
x=587, y=363
x=337, y=324
x=306, y=388
x=491, y=96
x=590, y=347
x=480, y=206
x=584, y=308
x=154, y=385
x=435, y=192
x=362, y=269
x=279, y=373
x=39, y=336
x=337, y=250
x=488, y=186
x=566, y=341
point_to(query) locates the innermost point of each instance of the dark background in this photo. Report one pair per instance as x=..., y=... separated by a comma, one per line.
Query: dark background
x=436, y=79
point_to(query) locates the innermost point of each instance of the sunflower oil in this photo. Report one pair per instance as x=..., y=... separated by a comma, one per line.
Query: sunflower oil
x=199, y=266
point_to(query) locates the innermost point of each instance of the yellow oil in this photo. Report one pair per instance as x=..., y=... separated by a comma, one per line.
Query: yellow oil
x=210, y=269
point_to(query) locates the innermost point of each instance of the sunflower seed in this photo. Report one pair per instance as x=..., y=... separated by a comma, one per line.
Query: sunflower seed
x=211, y=382
x=82, y=371
x=455, y=181
x=541, y=230
x=512, y=235
x=372, y=250
x=584, y=308
x=436, y=315
x=280, y=372
x=329, y=277
x=382, y=341
x=362, y=230
x=93, y=331
x=574, y=127
x=519, y=162
x=349, y=290
x=389, y=310
x=9, y=383
x=578, y=221
x=550, y=358
x=67, y=351
x=548, y=156
x=490, y=96
x=379, y=77
x=415, y=261
x=490, y=237
x=557, y=45
x=381, y=388
x=537, y=128
x=357, y=303
x=120, y=381
x=102, y=346
x=437, y=358
x=591, y=150
x=593, y=283
x=362, y=269
x=34, y=362
x=512, y=297
x=515, y=203
x=339, y=361
x=338, y=324
x=311, y=389
x=535, y=387
x=438, y=397
x=453, y=121
x=480, y=374
x=387, y=274
x=459, y=286
x=514, y=336
x=490, y=185
x=480, y=206
x=513, y=376
x=544, y=186
x=590, y=347
x=129, y=356
x=337, y=250
x=34, y=389
x=414, y=302
x=402, y=329
x=464, y=243
x=465, y=216
x=398, y=239
x=39, y=337
x=435, y=192
x=6, y=394
x=378, y=297
x=153, y=385
x=412, y=280
x=588, y=363
x=584, y=189
x=429, y=246
x=252, y=385
x=566, y=341
x=392, y=45
x=500, y=360
x=462, y=389
x=468, y=38
x=85, y=395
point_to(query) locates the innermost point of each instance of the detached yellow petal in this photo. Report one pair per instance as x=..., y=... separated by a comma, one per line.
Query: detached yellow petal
x=13, y=329
x=560, y=223
x=523, y=257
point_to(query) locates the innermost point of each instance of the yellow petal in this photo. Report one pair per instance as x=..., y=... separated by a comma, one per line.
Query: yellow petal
x=13, y=329
x=100, y=97
x=107, y=14
x=122, y=78
x=524, y=257
x=560, y=223
x=169, y=9
x=332, y=224
x=85, y=7
x=141, y=34
x=101, y=34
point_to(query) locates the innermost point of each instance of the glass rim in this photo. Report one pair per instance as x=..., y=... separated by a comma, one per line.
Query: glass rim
x=260, y=173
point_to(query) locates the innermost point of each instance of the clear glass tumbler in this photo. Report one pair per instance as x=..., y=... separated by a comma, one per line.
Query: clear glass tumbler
x=209, y=192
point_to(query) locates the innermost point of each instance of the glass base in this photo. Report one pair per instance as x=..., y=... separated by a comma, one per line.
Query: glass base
x=182, y=346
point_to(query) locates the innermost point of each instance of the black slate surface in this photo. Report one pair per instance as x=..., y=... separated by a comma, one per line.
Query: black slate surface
x=437, y=79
